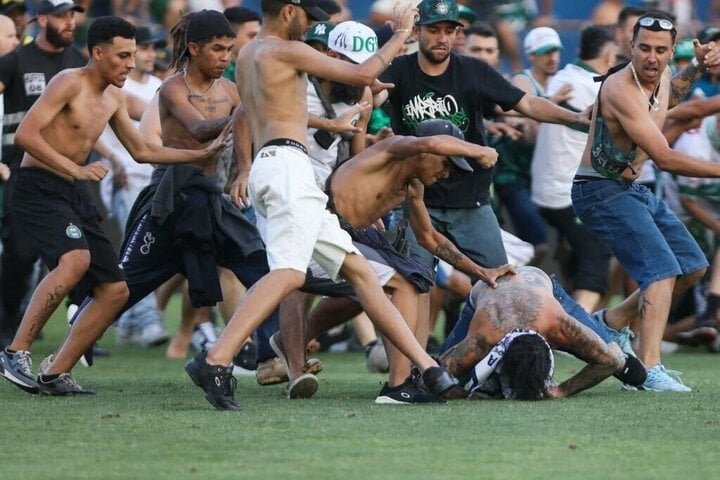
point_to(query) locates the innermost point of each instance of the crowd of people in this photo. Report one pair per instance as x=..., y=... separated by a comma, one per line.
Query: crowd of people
x=291, y=172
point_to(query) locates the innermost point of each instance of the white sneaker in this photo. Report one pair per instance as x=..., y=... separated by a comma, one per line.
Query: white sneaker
x=659, y=379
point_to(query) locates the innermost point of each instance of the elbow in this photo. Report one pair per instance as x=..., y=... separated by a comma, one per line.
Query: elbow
x=21, y=138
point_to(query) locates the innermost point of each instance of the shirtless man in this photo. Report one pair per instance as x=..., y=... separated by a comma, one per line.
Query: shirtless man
x=58, y=219
x=374, y=181
x=512, y=329
x=272, y=81
x=653, y=246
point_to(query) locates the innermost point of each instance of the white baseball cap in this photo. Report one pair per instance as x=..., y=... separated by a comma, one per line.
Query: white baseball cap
x=542, y=40
x=356, y=41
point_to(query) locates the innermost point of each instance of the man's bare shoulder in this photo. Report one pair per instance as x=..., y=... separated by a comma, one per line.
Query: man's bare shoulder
x=70, y=80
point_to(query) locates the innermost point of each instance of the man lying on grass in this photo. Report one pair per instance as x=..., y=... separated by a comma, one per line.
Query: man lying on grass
x=504, y=338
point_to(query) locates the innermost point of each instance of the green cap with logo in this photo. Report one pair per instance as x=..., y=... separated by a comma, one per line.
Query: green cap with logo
x=436, y=11
x=684, y=49
x=319, y=32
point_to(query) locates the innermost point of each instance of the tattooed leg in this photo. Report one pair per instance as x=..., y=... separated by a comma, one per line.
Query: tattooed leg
x=653, y=312
x=48, y=295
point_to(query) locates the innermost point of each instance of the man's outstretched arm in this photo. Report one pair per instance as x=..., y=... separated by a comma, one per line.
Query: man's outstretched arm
x=443, y=248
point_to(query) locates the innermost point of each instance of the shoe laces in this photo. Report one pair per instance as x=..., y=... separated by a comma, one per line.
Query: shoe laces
x=24, y=361
x=660, y=371
x=70, y=380
x=228, y=383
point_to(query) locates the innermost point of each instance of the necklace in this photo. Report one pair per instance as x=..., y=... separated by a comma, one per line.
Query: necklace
x=653, y=100
x=192, y=94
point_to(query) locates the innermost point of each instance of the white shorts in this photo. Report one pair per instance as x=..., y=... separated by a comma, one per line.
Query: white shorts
x=292, y=218
x=383, y=271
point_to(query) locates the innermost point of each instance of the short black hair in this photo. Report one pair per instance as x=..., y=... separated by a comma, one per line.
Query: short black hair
x=241, y=15
x=104, y=29
x=655, y=27
x=482, y=29
x=593, y=39
x=628, y=12
x=526, y=364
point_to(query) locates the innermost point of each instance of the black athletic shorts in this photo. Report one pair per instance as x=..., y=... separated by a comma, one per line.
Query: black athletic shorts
x=54, y=216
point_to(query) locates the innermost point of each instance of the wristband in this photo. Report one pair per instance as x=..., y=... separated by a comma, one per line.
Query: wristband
x=695, y=63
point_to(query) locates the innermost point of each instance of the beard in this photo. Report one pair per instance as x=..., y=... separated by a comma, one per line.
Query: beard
x=56, y=38
x=434, y=57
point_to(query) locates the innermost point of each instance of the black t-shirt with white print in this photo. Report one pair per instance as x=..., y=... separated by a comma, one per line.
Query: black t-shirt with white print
x=25, y=72
x=467, y=88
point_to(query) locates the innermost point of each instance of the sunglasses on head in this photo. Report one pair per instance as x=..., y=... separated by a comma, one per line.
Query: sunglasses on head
x=663, y=23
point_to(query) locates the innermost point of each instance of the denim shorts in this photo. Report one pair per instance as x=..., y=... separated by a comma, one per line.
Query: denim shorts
x=525, y=216
x=650, y=242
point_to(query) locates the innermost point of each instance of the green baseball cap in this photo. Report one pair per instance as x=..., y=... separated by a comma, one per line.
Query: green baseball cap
x=466, y=13
x=319, y=32
x=684, y=49
x=436, y=11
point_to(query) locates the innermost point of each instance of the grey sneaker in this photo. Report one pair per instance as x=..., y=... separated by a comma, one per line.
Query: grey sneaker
x=63, y=385
x=17, y=368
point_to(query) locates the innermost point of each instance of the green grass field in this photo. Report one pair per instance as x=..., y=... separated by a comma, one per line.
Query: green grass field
x=149, y=421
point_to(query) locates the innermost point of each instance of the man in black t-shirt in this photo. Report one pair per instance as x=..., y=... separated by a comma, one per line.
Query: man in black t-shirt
x=24, y=74
x=435, y=83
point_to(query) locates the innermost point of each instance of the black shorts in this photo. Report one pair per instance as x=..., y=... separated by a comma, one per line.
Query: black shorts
x=54, y=216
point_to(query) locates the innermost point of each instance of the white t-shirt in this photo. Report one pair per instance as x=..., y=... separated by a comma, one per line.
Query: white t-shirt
x=323, y=161
x=144, y=91
x=559, y=149
x=138, y=174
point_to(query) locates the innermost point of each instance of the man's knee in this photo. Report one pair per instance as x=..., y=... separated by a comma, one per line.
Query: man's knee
x=74, y=263
x=115, y=292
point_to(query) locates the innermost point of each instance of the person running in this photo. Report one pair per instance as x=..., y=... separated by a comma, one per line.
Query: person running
x=272, y=82
x=57, y=218
x=650, y=242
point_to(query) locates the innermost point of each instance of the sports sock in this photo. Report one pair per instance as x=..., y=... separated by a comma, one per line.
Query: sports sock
x=48, y=378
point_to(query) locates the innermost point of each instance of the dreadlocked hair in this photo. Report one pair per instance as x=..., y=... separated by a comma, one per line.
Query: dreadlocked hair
x=177, y=33
x=526, y=364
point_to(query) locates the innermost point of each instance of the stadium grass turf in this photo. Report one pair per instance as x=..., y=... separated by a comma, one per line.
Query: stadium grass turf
x=149, y=421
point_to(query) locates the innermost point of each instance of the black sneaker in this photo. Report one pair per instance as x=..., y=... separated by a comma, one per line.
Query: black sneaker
x=407, y=393
x=244, y=363
x=437, y=380
x=703, y=333
x=63, y=385
x=633, y=372
x=216, y=381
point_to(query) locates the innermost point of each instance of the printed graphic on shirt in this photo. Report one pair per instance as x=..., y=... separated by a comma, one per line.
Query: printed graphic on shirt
x=34, y=84
x=428, y=106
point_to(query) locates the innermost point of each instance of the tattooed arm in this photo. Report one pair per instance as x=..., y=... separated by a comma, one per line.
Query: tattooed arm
x=439, y=245
x=681, y=83
x=603, y=360
x=707, y=56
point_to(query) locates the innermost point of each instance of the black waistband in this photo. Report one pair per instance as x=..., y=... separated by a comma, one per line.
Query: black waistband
x=580, y=179
x=286, y=142
x=39, y=172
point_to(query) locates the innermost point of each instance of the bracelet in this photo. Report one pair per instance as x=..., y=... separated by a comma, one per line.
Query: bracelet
x=401, y=30
x=385, y=64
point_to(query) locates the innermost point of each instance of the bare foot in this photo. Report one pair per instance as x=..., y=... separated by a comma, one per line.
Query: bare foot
x=178, y=348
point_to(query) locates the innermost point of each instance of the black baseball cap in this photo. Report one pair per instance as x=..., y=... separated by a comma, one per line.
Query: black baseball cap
x=150, y=35
x=312, y=9
x=708, y=34
x=437, y=126
x=57, y=7
x=7, y=5
x=436, y=11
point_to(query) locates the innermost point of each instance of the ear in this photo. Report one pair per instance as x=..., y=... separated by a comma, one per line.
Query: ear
x=333, y=54
x=193, y=48
x=97, y=53
x=287, y=12
x=42, y=20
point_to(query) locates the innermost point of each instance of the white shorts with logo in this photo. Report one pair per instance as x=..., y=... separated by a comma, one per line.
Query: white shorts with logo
x=292, y=218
